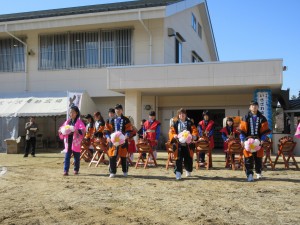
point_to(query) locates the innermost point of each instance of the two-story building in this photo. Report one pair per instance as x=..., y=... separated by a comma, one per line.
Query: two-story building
x=147, y=55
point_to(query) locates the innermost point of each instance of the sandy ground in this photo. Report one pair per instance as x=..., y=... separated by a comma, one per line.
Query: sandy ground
x=33, y=191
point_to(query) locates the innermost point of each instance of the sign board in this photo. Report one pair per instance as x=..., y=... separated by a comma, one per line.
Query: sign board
x=264, y=99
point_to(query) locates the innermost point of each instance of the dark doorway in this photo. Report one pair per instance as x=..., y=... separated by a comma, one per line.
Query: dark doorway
x=216, y=115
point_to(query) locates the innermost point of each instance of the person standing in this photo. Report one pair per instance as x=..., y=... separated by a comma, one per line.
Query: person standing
x=255, y=125
x=111, y=115
x=151, y=131
x=122, y=124
x=206, y=128
x=131, y=142
x=72, y=131
x=185, y=153
x=31, y=129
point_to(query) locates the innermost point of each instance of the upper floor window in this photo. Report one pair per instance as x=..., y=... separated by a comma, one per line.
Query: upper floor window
x=86, y=49
x=199, y=30
x=116, y=48
x=12, y=55
x=178, y=51
x=194, y=22
x=196, y=58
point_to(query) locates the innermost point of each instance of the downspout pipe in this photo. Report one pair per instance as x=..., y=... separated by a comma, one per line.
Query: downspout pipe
x=150, y=36
x=25, y=58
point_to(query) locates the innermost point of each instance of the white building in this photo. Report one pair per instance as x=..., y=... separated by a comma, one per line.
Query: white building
x=155, y=54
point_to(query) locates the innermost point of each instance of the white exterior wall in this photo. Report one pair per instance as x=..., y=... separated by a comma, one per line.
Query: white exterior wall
x=142, y=42
x=94, y=81
x=104, y=103
x=182, y=23
x=212, y=77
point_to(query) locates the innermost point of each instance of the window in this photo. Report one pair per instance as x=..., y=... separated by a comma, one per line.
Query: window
x=196, y=58
x=12, y=55
x=199, y=30
x=178, y=51
x=116, y=48
x=123, y=47
x=53, y=51
x=107, y=48
x=194, y=22
x=85, y=49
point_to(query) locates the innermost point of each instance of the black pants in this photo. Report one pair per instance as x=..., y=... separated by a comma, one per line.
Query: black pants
x=113, y=164
x=184, y=154
x=30, y=143
x=249, y=164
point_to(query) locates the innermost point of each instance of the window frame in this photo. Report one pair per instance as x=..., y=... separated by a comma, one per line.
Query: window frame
x=178, y=51
x=199, y=30
x=85, y=60
x=194, y=22
x=12, y=56
x=196, y=58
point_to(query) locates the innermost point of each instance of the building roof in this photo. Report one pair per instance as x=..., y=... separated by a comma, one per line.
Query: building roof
x=86, y=9
x=294, y=107
x=294, y=104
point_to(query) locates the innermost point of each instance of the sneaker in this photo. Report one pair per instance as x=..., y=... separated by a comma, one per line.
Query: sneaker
x=178, y=175
x=25, y=155
x=125, y=174
x=66, y=173
x=32, y=155
x=259, y=176
x=112, y=175
x=187, y=173
x=75, y=172
x=250, y=178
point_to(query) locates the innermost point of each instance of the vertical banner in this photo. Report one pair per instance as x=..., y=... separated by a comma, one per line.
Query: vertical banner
x=264, y=99
x=74, y=98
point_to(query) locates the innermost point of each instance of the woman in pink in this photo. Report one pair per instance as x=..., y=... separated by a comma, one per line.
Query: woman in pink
x=297, y=134
x=72, y=131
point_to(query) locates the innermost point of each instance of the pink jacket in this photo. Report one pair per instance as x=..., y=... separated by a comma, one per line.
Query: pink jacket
x=77, y=138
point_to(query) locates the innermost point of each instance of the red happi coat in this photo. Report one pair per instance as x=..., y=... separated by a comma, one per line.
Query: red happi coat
x=225, y=131
x=151, y=131
x=207, y=128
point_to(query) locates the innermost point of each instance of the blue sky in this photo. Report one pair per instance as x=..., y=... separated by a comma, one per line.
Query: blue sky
x=243, y=29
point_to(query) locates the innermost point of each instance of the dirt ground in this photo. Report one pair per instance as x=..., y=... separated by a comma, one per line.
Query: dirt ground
x=33, y=191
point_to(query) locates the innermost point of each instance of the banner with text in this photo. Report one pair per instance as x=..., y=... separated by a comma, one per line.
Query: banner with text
x=74, y=98
x=264, y=99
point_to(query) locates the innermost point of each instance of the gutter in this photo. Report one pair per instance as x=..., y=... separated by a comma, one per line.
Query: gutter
x=25, y=55
x=150, y=36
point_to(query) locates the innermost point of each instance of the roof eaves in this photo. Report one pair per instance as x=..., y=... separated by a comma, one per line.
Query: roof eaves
x=86, y=9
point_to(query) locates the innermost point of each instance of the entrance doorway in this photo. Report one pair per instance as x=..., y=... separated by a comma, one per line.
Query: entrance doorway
x=216, y=115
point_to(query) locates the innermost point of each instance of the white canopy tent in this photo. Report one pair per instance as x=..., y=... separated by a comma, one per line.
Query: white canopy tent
x=17, y=106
